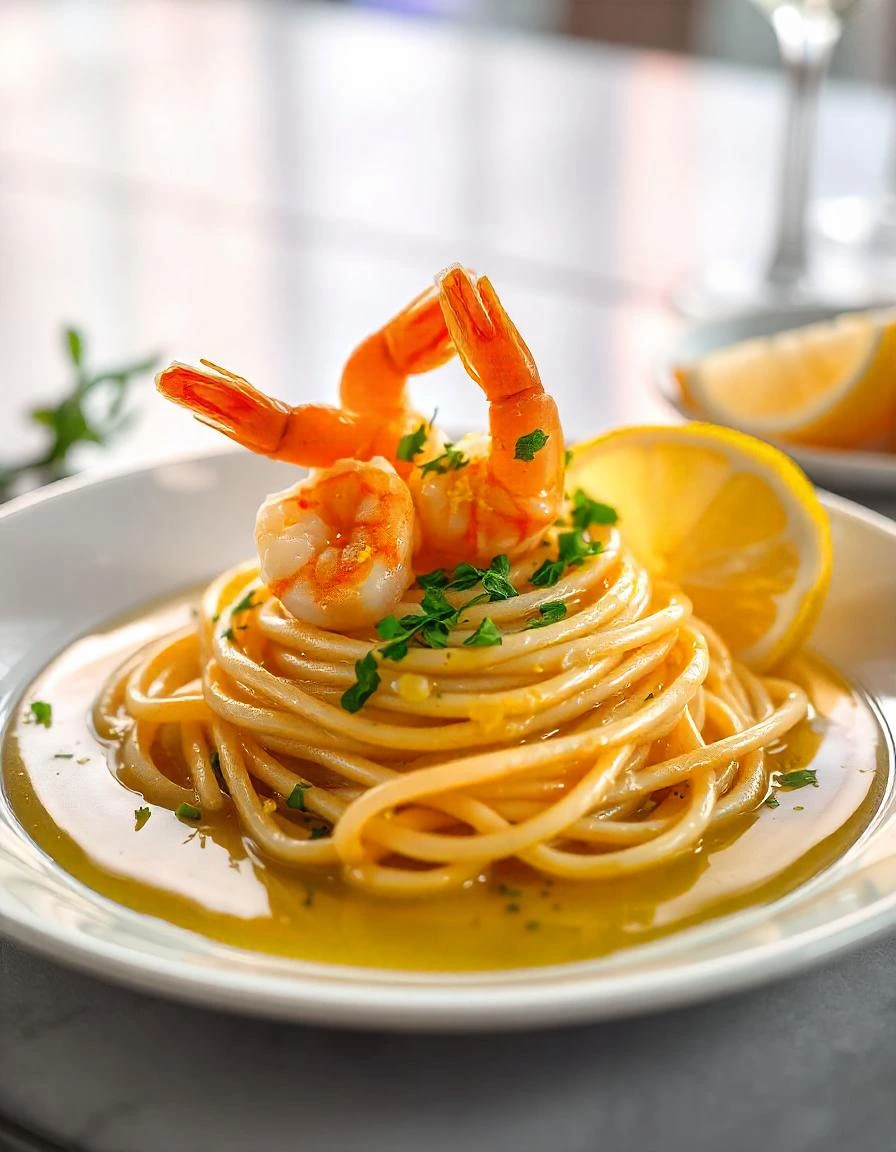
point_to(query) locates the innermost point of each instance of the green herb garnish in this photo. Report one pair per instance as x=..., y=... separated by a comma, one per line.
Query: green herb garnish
x=772, y=801
x=571, y=550
x=411, y=445
x=246, y=604
x=586, y=511
x=91, y=413
x=141, y=815
x=319, y=832
x=550, y=613
x=526, y=446
x=227, y=634
x=801, y=778
x=187, y=812
x=63, y=756
x=450, y=460
x=485, y=636
x=567, y=457
x=367, y=680
x=41, y=713
x=296, y=798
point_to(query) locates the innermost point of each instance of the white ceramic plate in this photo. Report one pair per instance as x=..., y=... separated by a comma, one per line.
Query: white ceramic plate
x=848, y=472
x=84, y=553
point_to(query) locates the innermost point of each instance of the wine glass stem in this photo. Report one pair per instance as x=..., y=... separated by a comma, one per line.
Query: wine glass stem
x=806, y=51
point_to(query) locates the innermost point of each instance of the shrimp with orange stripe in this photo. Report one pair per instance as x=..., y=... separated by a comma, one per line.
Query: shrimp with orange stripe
x=387, y=488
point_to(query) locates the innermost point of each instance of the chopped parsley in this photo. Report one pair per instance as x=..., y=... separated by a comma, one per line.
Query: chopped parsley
x=41, y=713
x=772, y=801
x=367, y=680
x=506, y=890
x=567, y=457
x=411, y=445
x=227, y=634
x=141, y=815
x=187, y=812
x=526, y=446
x=571, y=550
x=485, y=636
x=801, y=778
x=319, y=832
x=586, y=511
x=549, y=613
x=246, y=604
x=296, y=798
x=63, y=756
x=450, y=460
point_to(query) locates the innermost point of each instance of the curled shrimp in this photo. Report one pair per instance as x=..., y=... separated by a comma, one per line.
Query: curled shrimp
x=335, y=549
x=485, y=495
x=499, y=492
x=375, y=410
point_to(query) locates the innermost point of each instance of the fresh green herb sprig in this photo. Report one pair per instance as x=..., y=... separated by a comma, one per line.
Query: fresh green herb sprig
x=91, y=413
x=434, y=623
x=586, y=511
x=411, y=445
x=40, y=712
x=800, y=778
x=549, y=613
x=451, y=460
x=572, y=550
x=526, y=446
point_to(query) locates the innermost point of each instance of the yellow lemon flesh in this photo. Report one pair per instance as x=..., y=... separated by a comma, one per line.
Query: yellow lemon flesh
x=729, y=519
x=831, y=384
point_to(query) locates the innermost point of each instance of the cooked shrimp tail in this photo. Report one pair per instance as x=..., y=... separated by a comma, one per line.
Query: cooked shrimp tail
x=313, y=435
x=415, y=340
x=498, y=359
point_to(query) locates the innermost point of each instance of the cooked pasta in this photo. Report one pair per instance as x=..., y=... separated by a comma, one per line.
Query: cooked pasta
x=587, y=743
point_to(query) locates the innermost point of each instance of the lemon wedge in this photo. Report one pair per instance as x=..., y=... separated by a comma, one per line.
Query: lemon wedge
x=831, y=384
x=729, y=519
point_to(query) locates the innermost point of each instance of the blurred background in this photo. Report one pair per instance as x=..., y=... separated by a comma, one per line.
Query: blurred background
x=263, y=183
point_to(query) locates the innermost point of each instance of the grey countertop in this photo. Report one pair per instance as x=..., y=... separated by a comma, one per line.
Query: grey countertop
x=804, y=1065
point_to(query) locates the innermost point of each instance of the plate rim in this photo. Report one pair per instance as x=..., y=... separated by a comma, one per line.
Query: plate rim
x=509, y=1000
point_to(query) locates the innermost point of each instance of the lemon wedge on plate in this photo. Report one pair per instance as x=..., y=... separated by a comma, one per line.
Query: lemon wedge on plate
x=731, y=520
x=831, y=384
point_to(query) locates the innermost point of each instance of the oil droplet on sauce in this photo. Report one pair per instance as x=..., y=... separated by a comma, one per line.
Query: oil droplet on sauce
x=208, y=878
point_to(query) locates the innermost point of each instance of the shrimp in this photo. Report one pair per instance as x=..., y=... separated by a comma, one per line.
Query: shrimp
x=336, y=548
x=495, y=493
x=346, y=526
x=375, y=412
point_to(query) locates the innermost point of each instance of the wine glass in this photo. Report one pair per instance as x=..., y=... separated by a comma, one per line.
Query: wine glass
x=807, y=32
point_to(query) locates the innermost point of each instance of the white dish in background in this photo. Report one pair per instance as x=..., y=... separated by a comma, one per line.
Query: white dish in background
x=841, y=471
x=84, y=553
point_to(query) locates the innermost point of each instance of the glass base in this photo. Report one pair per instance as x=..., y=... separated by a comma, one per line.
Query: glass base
x=730, y=288
x=867, y=224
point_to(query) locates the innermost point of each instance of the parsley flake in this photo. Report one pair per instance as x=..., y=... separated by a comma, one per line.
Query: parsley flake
x=586, y=511
x=246, y=604
x=526, y=446
x=485, y=636
x=450, y=460
x=411, y=445
x=772, y=801
x=141, y=815
x=296, y=798
x=41, y=713
x=319, y=832
x=550, y=613
x=801, y=778
x=227, y=634
x=187, y=812
x=567, y=458
x=367, y=680
x=63, y=755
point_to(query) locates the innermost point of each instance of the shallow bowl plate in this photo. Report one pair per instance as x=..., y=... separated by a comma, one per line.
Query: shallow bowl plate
x=84, y=553
x=842, y=471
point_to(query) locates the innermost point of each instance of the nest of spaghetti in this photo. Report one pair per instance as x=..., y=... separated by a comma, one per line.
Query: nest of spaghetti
x=584, y=724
